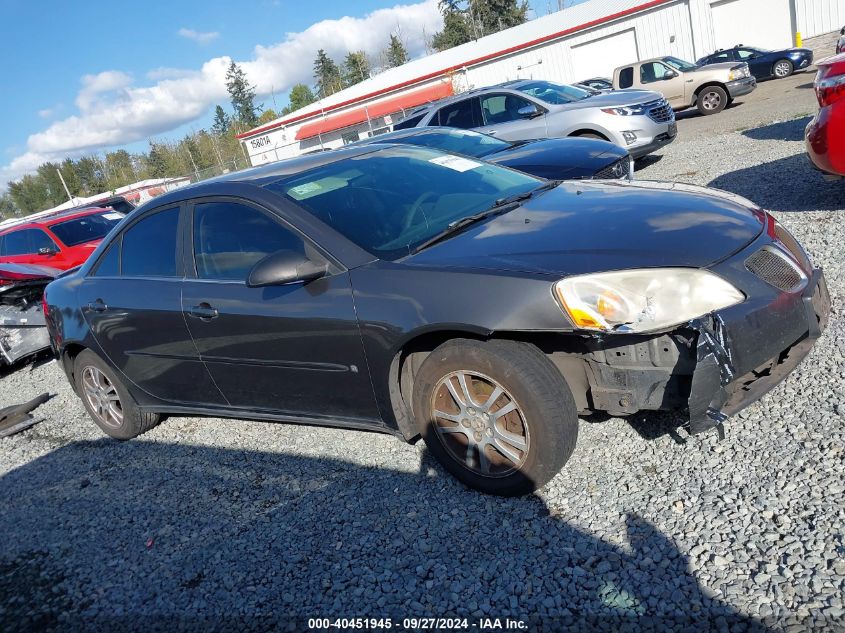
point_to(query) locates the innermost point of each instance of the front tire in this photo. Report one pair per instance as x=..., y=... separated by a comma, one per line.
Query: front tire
x=107, y=401
x=498, y=414
x=782, y=69
x=712, y=100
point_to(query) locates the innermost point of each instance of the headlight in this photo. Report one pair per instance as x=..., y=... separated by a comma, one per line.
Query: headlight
x=633, y=110
x=643, y=300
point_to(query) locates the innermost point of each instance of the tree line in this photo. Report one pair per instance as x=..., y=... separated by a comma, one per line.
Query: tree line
x=208, y=152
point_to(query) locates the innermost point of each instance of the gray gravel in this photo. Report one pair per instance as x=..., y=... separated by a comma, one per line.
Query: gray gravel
x=206, y=521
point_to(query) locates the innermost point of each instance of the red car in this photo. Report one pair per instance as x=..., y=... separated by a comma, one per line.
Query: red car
x=60, y=241
x=825, y=134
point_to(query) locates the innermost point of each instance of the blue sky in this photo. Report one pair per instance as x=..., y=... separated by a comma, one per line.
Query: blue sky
x=71, y=62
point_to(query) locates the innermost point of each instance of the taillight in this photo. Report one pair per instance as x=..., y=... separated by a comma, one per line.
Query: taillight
x=830, y=83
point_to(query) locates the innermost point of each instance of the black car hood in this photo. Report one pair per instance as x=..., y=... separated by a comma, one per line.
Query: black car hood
x=559, y=158
x=582, y=227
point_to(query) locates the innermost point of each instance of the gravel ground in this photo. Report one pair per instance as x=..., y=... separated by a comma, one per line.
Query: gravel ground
x=207, y=522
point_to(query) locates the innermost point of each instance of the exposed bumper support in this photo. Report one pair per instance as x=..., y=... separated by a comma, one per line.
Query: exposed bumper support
x=716, y=392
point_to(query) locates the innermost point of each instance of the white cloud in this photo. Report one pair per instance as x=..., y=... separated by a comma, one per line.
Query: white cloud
x=198, y=36
x=113, y=111
x=49, y=113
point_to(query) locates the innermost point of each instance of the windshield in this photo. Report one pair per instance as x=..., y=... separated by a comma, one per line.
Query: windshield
x=391, y=200
x=456, y=141
x=88, y=228
x=679, y=64
x=554, y=93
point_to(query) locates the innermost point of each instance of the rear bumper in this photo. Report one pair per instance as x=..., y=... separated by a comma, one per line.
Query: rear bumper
x=741, y=87
x=825, y=151
x=728, y=378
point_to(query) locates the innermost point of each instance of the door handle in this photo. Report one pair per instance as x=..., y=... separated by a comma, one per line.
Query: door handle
x=203, y=311
x=492, y=132
x=97, y=306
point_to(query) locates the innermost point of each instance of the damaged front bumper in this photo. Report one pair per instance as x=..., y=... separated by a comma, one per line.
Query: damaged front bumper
x=23, y=332
x=737, y=363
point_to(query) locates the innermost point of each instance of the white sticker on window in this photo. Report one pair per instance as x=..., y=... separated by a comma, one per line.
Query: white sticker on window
x=304, y=190
x=458, y=163
x=113, y=215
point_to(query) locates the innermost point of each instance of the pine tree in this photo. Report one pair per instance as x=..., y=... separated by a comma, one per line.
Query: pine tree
x=356, y=68
x=467, y=20
x=300, y=96
x=327, y=75
x=396, y=53
x=221, y=121
x=242, y=94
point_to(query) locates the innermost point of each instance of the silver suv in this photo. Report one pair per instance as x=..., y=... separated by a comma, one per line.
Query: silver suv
x=641, y=121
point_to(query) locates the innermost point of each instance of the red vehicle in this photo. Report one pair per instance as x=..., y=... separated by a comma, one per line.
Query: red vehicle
x=60, y=241
x=825, y=134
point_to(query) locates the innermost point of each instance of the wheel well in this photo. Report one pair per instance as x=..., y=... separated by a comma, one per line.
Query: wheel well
x=564, y=350
x=586, y=132
x=69, y=354
x=710, y=84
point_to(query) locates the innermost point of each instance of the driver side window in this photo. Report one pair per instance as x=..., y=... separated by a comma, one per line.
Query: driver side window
x=744, y=55
x=654, y=71
x=230, y=238
x=502, y=108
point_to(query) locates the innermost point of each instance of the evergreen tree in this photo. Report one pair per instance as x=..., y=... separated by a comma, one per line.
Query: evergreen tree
x=466, y=20
x=396, y=54
x=242, y=94
x=157, y=161
x=300, y=96
x=221, y=121
x=327, y=75
x=268, y=115
x=8, y=208
x=356, y=68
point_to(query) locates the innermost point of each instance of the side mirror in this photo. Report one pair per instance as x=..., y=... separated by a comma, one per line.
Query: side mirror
x=285, y=267
x=529, y=111
x=47, y=251
x=670, y=75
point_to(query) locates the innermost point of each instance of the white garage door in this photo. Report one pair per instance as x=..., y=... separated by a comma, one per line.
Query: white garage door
x=600, y=57
x=763, y=23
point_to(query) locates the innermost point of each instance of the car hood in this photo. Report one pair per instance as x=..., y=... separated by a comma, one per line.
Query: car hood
x=610, y=99
x=559, y=158
x=582, y=227
x=711, y=67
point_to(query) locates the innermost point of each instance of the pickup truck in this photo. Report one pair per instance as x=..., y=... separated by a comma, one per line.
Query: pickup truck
x=685, y=85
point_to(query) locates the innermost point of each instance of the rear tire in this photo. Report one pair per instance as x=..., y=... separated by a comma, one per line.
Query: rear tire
x=712, y=100
x=107, y=401
x=782, y=69
x=507, y=444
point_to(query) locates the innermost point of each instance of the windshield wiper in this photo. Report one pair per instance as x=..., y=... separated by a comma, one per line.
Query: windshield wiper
x=500, y=206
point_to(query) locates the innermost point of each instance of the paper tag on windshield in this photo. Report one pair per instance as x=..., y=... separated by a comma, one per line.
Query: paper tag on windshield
x=458, y=163
x=114, y=215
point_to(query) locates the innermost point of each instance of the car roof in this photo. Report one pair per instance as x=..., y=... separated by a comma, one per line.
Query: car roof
x=49, y=220
x=266, y=174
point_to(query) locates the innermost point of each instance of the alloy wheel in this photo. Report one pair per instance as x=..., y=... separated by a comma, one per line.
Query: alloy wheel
x=102, y=397
x=782, y=69
x=712, y=101
x=480, y=423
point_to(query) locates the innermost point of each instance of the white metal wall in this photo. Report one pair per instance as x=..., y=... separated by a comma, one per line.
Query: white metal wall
x=817, y=17
x=665, y=30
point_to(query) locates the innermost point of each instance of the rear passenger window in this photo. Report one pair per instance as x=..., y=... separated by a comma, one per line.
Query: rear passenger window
x=27, y=242
x=409, y=123
x=626, y=77
x=109, y=264
x=149, y=246
x=230, y=238
x=463, y=114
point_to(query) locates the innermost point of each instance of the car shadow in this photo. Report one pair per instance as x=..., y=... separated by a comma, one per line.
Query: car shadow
x=781, y=131
x=119, y=536
x=788, y=184
x=693, y=113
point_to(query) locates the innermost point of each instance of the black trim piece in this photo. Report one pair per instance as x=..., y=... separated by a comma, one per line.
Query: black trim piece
x=286, y=364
